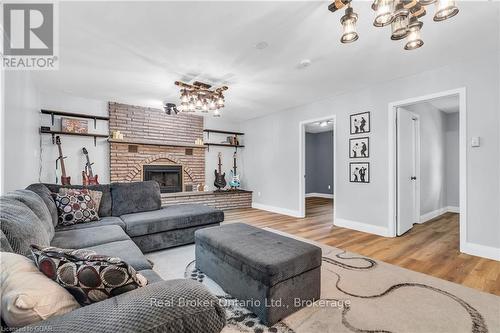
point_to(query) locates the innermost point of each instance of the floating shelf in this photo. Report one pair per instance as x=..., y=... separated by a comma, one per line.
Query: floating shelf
x=208, y=144
x=74, y=115
x=54, y=133
x=155, y=143
x=222, y=132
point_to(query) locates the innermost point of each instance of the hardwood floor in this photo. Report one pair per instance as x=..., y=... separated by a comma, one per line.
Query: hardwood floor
x=430, y=248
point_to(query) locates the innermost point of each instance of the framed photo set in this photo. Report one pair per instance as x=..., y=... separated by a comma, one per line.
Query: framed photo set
x=359, y=147
x=359, y=172
x=360, y=123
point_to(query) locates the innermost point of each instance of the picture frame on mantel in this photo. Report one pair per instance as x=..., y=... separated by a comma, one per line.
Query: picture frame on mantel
x=360, y=123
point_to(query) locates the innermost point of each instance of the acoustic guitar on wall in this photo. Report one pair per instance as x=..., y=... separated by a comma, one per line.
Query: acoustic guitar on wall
x=87, y=174
x=65, y=180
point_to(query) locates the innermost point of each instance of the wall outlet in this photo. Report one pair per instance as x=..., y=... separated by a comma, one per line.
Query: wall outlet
x=476, y=141
x=329, y=187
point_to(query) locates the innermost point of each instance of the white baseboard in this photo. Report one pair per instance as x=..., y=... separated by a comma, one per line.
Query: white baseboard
x=481, y=251
x=278, y=210
x=431, y=215
x=369, y=228
x=319, y=195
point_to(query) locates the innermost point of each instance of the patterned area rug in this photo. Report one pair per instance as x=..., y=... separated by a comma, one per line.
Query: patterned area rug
x=358, y=294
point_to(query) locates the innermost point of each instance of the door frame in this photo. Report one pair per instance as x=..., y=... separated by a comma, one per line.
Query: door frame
x=302, y=161
x=462, y=95
x=417, y=169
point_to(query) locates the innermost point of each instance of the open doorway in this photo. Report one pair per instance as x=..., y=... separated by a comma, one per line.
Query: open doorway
x=429, y=170
x=318, y=176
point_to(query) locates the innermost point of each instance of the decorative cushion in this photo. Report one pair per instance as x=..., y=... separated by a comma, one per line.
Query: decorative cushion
x=76, y=206
x=28, y=296
x=95, y=195
x=89, y=277
x=21, y=226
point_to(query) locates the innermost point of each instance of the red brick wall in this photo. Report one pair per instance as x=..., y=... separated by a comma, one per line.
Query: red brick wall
x=147, y=124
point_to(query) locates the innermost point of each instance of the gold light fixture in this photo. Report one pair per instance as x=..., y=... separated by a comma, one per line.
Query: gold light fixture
x=445, y=9
x=402, y=15
x=414, y=40
x=348, y=21
x=199, y=97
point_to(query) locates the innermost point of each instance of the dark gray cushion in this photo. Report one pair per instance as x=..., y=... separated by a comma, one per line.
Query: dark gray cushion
x=4, y=243
x=37, y=206
x=105, y=205
x=135, y=197
x=265, y=256
x=80, y=238
x=151, y=275
x=108, y=220
x=144, y=310
x=46, y=195
x=126, y=250
x=170, y=218
x=21, y=226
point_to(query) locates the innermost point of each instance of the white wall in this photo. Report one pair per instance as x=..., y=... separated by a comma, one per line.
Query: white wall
x=452, y=156
x=211, y=160
x=20, y=129
x=72, y=145
x=273, y=147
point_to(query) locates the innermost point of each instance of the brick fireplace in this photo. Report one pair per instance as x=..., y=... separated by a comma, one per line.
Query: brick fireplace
x=154, y=140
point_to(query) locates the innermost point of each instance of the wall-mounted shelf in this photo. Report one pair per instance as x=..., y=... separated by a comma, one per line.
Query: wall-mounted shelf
x=54, y=133
x=222, y=132
x=208, y=144
x=155, y=143
x=74, y=115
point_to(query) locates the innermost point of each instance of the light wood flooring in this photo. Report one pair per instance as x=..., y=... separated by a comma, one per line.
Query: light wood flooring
x=430, y=248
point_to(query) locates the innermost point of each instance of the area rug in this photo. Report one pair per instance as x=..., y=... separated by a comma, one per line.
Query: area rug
x=358, y=294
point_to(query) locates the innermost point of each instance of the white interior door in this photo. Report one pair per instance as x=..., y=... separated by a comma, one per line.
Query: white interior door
x=407, y=157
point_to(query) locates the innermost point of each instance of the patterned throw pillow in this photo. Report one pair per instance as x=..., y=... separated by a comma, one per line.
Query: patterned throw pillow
x=95, y=195
x=75, y=206
x=89, y=277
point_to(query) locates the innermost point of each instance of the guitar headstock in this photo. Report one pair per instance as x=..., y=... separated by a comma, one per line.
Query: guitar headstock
x=220, y=155
x=85, y=151
x=58, y=140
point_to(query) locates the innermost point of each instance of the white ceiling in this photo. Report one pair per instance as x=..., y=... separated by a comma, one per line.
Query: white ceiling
x=132, y=52
x=449, y=104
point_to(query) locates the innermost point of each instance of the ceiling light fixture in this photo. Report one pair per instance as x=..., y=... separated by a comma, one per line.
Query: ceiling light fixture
x=402, y=15
x=324, y=123
x=198, y=97
x=348, y=21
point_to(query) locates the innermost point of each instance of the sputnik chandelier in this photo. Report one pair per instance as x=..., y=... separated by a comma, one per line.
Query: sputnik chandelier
x=198, y=97
x=402, y=15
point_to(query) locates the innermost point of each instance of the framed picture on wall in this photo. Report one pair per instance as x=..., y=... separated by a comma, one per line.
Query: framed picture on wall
x=359, y=172
x=360, y=123
x=359, y=147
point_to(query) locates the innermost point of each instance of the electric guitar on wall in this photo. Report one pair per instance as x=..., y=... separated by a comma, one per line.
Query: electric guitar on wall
x=65, y=180
x=220, y=178
x=235, y=178
x=88, y=174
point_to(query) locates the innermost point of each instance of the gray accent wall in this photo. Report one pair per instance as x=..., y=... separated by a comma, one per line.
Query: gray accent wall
x=319, y=162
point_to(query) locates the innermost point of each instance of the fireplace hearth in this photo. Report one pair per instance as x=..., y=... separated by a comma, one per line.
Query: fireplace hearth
x=169, y=177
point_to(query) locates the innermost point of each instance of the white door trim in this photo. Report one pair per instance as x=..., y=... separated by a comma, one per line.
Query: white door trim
x=461, y=93
x=302, y=161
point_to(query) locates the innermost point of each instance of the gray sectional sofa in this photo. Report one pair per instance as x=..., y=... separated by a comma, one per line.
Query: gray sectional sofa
x=132, y=222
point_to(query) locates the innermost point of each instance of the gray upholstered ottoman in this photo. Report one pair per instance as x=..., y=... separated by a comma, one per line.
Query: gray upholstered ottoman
x=273, y=274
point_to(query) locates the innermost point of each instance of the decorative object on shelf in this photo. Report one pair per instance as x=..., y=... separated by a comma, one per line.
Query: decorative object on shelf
x=170, y=109
x=359, y=172
x=402, y=15
x=220, y=178
x=70, y=125
x=235, y=177
x=65, y=180
x=199, y=97
x=359, y=147
x=117, y=135
x=87, y=174
x=360, y=123
x=198, y=142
